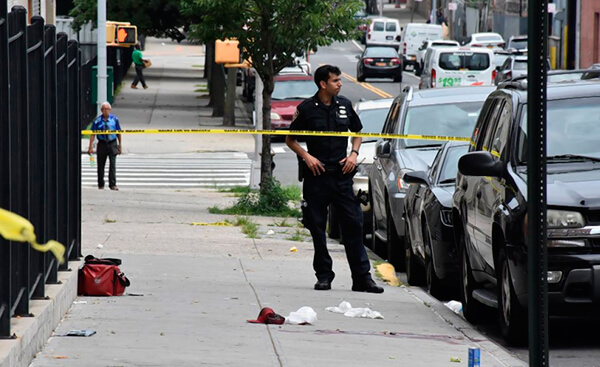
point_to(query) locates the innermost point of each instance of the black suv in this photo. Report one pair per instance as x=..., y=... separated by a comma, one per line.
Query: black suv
x=490, y=205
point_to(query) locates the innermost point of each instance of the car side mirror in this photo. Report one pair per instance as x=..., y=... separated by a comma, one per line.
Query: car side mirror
x=384, y=149
x=480, y=163
x=416, y=177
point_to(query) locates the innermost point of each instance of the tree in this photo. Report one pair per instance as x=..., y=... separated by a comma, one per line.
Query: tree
x=271, y=32
x=159, y=18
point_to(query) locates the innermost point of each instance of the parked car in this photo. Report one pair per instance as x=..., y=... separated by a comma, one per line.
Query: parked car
x=413, y=35
x=363, y=24
x=457, y=66
x=440, y=112
x=518, y=43
x=431, y=253
x=500, y=56
x=490, y=206
x=425, y=46
x=490, y=40
x=383, y=32
x=513, y=67
x=289, y=91
x=379, y=62
x=372, y=115
x=300, y=65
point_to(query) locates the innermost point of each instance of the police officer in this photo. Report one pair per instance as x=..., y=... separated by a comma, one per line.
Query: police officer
x=327, y=173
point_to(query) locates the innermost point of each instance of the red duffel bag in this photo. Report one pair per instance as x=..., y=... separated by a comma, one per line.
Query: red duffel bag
x=101, y=277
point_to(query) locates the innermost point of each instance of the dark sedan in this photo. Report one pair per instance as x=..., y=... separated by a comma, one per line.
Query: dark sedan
x=379, y=62
x=431, y=253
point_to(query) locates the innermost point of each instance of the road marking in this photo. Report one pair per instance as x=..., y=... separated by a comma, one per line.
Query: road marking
x=358, y=46
x=368, y=86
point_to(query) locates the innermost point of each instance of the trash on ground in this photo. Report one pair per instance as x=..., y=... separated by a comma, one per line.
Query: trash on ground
x=388, y=274
x=346, y=309
x=454, y=306
x=293, y=249
x=86, y=333
x=268, y=316
x=455, y=359
x=79, y=302
x=270, y=232
x=100, y=246
x=304, y=316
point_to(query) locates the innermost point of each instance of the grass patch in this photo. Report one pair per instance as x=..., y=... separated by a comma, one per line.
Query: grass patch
x=272, y=200
x=282, y=223
x=298, y=236
x=238, y=190
x=249, y=227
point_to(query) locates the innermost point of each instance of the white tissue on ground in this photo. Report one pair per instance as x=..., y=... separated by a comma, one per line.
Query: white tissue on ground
x=454, y=306
x=346, y=309
x=304, y=315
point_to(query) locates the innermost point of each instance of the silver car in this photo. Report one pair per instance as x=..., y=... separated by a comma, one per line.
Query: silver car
x=450, y=112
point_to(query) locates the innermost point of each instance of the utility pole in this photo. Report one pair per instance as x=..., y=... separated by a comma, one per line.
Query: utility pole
x=101, y=33
x=258, y=126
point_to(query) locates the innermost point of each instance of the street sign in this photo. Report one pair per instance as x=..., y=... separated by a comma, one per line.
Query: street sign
x=452, y=6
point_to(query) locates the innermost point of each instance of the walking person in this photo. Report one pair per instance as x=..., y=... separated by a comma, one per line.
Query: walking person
x=138, y=61
x=327, y=173
x=107, y=145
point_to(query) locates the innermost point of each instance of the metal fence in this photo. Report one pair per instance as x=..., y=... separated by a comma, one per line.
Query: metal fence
x=40, y=154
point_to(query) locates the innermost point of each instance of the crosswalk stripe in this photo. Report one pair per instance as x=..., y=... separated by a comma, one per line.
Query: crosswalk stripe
x=210, y=169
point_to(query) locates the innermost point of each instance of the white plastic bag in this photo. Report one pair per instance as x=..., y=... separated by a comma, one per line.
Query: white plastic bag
x=305, y=315
x=348, y=311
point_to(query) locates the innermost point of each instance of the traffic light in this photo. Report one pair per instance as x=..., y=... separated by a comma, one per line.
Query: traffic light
x=126, y=35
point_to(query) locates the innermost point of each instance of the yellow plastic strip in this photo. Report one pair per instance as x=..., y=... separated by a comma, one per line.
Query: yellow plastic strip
x=277, y=132
x=13, y=227
x=211, y=224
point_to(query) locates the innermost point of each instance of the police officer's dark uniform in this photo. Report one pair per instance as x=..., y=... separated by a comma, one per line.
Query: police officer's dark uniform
x=332, y=187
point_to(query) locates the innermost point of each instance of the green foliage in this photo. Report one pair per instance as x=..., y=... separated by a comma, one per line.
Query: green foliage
x=160, y=18
x=299, y=236
x=271, y=31
x=271, y=200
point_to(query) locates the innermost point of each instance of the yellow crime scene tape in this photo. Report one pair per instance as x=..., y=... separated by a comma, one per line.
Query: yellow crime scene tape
x=226, y=224
x=13, y=227
x=277, y=132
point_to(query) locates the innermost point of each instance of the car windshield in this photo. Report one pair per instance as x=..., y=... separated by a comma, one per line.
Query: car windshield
x=519, y=45
x=456, y=120
x=461, y=60
x=380, y=52
x=450, y=166
x=372, y=120
x=293, y=89
x=488, y=39
x=572, y=128
x=520, y=65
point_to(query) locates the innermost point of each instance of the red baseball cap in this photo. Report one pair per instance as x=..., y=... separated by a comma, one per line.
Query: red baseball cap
x=268, y=316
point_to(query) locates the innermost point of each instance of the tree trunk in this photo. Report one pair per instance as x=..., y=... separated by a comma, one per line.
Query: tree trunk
x=266, y=159
x=218, y=90
x=229, y=116
x=208, y=70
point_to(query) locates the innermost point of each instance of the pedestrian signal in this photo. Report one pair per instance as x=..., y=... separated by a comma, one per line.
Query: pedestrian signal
x=126, y=35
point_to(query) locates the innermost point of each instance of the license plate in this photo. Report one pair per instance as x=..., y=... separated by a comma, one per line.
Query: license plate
x=380, y=64
x=389, y=38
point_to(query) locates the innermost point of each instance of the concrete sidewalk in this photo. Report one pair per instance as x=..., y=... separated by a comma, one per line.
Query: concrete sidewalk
x=194, y=287
x=197, y=286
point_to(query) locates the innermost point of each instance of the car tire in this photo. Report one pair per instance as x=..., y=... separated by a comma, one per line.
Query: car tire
x=434, y=284
x=472, y=309
x=360, y=78
x=333, y=225
x=398, y=79
x=395, y=253
x=512, y=316
x=376, y=244
x=414, y=271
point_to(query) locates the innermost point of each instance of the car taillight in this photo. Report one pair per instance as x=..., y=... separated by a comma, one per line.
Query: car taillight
x=369, y=35
x=494, y=73
x=501, y=45
x=395, y=61
x=476, y=45
x=433, y=78
x=404, y=48
x=367, y=61
x=509, y=74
